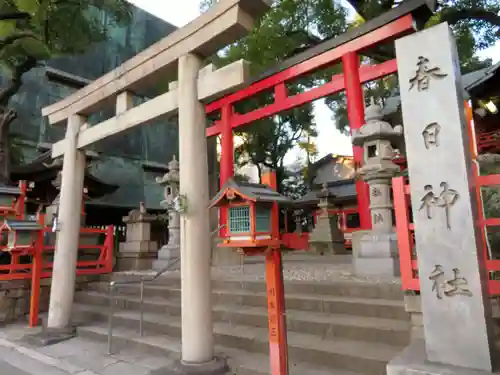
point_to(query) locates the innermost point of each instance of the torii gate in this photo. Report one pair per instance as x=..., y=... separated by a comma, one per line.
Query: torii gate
x=183, y=50
x=225, y=22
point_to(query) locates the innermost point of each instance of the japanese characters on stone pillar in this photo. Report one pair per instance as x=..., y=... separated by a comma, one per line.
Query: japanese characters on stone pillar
x=453, y=284
x=378, y=252
x=170, y=183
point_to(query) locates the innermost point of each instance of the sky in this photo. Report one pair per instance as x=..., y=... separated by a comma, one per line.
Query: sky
x=329, y=140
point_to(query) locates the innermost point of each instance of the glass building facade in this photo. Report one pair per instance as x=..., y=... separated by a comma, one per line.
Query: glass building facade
x=132, y=160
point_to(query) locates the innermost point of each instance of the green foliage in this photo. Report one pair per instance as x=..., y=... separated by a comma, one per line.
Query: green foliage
x=50, y=28
x=294, y=183
x=290, y=26
x=32, y=31
x=290, y=23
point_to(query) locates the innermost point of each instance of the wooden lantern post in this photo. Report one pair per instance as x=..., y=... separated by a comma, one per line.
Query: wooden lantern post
x=252, y=226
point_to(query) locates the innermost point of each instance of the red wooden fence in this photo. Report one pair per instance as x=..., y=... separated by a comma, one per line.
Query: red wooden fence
x=405, y=230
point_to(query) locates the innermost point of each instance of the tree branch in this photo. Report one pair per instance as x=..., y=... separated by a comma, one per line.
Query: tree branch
x=453, y=16
x=12, y=38
x=14, y=16
x=16, y=81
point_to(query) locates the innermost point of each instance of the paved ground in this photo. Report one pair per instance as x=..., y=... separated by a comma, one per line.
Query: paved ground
x=83, y=357
x=75, y=357
x=334, y=268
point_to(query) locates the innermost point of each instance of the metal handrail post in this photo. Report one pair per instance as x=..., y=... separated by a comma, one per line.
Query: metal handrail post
x=141, y=319
x=110, y=317
x=141, y=281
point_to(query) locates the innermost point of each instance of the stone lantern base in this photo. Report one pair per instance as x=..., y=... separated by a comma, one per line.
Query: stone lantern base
x=167, y=254
x=377, y=255
x=413, y=360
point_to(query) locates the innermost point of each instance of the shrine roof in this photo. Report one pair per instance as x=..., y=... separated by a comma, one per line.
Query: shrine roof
x=482, y=81
x=14, y=225
x=340, y=191
x=10, y=190
x=250, y=191
x=43, y=169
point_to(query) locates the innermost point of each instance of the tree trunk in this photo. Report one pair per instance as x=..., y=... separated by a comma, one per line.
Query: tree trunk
x=6, y=118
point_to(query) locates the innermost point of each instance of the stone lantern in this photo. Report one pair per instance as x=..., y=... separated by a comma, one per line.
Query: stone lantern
x=378, y=251
x=326, y=237
x=170, y=182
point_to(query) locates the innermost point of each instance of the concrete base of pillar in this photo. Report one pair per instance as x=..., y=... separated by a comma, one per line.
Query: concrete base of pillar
x=377, y=255
x=328, y=248
x=166, y=255
x=218, y=366
x=413, y=360
x=135, y=262
x=50, y=336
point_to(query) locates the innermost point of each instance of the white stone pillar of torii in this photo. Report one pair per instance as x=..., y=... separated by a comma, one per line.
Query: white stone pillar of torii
x=183, y=50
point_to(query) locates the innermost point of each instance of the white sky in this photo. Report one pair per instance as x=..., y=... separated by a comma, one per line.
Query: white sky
x=330, y=140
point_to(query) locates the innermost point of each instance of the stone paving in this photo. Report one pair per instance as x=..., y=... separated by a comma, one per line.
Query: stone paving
x=338, y=268
x=78, y=356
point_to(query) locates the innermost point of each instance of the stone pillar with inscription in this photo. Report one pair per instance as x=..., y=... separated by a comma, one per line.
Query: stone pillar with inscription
x=326, y=236
x=172, y=250
x=453, y=279
x=378, y=249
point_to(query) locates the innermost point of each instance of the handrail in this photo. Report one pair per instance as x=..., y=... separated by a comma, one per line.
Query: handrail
x=142, y=280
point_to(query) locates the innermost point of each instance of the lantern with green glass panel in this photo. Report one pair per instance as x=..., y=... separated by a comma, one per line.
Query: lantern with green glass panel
x=249, y=218
x=8, y=198
x=19, y=234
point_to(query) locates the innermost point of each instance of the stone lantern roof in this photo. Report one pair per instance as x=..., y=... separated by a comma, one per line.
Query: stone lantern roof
x=375, y=128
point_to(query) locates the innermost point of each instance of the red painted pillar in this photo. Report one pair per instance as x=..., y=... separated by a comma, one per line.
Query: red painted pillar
x=356, y=115
x=226, y=157
x=278, y=346
x=36, y=275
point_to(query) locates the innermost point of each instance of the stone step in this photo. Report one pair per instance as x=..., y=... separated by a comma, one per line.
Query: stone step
x=347, y=288
x=240, y=362
x=338, y=353
x=325, y=325
x=359, y=306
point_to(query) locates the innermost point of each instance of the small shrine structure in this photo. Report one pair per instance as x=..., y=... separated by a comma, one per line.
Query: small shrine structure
x=252, y=220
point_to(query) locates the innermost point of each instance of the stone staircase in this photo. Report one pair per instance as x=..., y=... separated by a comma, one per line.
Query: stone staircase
x=337, y=327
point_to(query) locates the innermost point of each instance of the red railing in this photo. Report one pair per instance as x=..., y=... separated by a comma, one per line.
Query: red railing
x=16, y=270
x=488, y=141
x=406, y=242
x=39, y=267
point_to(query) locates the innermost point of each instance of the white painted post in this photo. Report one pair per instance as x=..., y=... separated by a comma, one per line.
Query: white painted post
x=197, y=327
x=66, y=251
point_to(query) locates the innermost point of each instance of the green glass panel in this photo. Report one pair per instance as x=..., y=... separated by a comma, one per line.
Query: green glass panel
x=262, y=219
x=5, y=200
x=239, y=219
x=24, y=238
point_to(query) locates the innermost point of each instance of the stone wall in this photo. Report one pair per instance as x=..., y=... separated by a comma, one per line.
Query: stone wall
x=413, y=307
x=15, y=297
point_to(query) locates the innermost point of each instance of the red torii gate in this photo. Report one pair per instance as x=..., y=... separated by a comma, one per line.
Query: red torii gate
x=400, y=21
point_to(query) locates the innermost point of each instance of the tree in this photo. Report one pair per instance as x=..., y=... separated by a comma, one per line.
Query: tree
x=293, y=25
x=288, y=28
x=476, y=26
x=295, y=179
x=33, y=31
